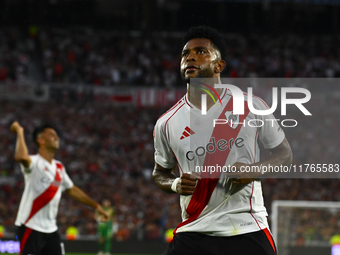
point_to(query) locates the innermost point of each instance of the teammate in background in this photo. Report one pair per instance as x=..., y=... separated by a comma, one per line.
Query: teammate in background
x=222, y=214
x=105, y=229
x=45, y=180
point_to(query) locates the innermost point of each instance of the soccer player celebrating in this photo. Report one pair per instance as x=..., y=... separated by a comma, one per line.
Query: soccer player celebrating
x=45, y=180
x=222, y=213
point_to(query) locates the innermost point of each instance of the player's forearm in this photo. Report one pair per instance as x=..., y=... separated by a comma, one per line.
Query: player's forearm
x=281, y=156
x=21, y=151
x=80, y=196
x=163, y=180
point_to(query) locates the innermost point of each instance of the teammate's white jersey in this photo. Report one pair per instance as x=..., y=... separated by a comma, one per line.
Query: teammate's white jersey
x=185, y=137
x=44, y=183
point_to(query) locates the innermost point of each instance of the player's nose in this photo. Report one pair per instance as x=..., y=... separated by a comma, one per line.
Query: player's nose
x=191, y=57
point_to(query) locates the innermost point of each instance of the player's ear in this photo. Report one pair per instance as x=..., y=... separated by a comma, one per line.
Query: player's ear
x=219, y=66
x=40, y=140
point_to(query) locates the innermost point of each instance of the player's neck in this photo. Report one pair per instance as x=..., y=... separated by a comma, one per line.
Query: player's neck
x=195, y=95
x=47, y=154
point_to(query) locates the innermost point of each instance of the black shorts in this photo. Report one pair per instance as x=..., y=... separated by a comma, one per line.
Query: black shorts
x=38, y=243
x=190, y=243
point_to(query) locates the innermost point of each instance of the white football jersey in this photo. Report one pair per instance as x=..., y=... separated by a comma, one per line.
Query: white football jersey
x=44, y=183
x=185, y=137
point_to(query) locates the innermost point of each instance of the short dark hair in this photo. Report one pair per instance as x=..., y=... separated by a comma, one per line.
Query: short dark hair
x=209, y=33
x=38, y=130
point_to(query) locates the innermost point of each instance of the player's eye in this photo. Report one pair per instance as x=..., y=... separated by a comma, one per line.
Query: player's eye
x=184, y=54
x=200, y=51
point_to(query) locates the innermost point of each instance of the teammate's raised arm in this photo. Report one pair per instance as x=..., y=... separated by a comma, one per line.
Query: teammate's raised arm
x=21, y=152
x=36, y=221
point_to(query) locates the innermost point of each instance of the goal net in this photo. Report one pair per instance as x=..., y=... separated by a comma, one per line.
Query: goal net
x=304, y=223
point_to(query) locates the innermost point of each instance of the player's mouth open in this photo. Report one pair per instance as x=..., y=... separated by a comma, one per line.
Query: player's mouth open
x=191, y=68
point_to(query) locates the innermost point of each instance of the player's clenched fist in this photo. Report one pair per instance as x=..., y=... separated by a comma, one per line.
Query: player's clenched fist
x=104, y=216
x=15, y=127
x=186, y=184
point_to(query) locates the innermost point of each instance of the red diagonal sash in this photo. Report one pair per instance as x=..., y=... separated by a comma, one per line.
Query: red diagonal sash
x=207, y=184
x=44, y=198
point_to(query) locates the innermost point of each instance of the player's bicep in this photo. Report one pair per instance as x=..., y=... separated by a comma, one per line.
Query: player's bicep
x=284, y=149
x=281, y=155
x=26, y=164
x=163, y=169
x=162, y=175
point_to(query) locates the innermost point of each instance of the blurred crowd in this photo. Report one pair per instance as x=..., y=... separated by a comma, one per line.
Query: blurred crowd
x=108, y=151
x=15, y=51
x=109, y=57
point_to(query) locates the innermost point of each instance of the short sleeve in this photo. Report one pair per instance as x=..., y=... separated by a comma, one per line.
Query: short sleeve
x=270, y=133
x=67, y=182
x=163, y=153
x=28, y=170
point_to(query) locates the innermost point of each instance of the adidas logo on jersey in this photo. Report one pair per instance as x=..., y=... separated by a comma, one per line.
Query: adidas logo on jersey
x=187, y=132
